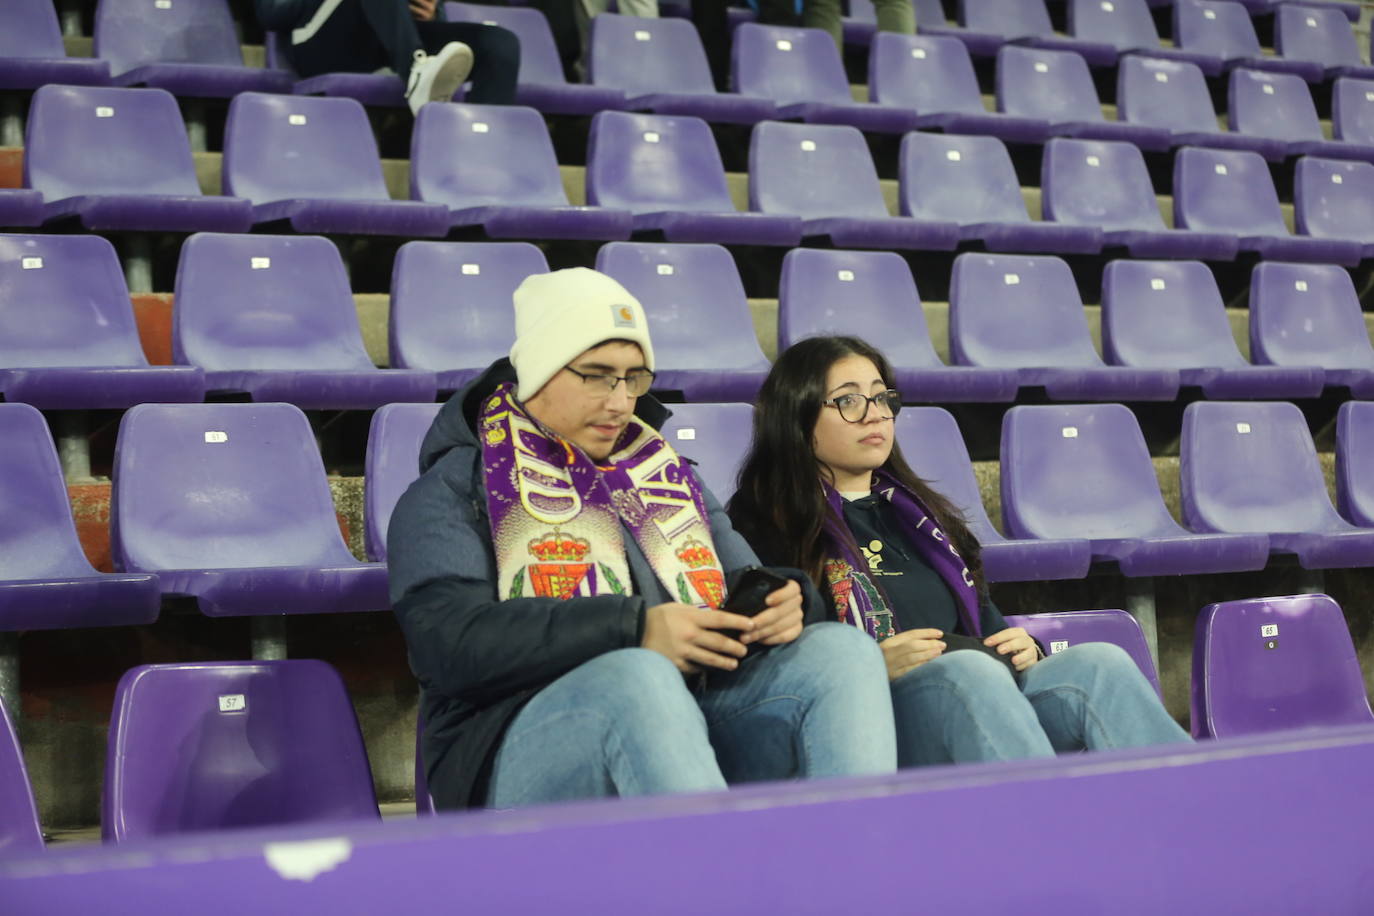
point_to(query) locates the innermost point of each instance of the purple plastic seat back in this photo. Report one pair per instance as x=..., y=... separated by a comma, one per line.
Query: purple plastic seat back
x=926, y=73
x=1079, y=470
x=1164, y=93
x=285, y=147
x=216, y=745
x=1352, y=110
x=1279, y=105
x=1309, y=32
x=450, y=304
x=539, y=61
x=73, y=132
x=1123, y=24
x=1355, y=462
x=1098, y=183
x=1227, y=191
x=1334, y=198
x=251, y=302
x=1267, y=664
x=793, y=170
x=1017, y=312
x=1010, y=18
x=130, y=33
x=1216, y=27
x=29, y=29
x=935, y=450
x=1307, y=315
x=217, y=486
x=393, y=463
x=642, y=56
x=1165, y=315
x=788, y=65
x=484, y=155
x=1062, y=630
x=716, y=437
x=19, y=828
x=1040, y=83
x=650, y=163
x=963, y=179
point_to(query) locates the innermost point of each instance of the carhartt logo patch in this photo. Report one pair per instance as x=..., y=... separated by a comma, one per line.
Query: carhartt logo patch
x=622, y=316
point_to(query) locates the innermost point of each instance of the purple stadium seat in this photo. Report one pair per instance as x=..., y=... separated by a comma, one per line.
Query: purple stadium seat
x=150, y=185
x=971, y=181
x=801, y=71
x=933, y=446
x=1174, y=95
x=871, y=294
x=272, y=316
x=1128, y=26
x=1105, y=184
x=1355, y=462
x=660, y=66
x=668, y=172
x=1352, y=110
x=1230, y=191
x=1309, y=315
x=1267, y=664
x=715, y=437
x=20, y=207
x=704, y=341
x=542, y=84
x=1224, y=29
x=219, y=745
x=20, y=831
x=228, y=503
x=1028, y=22
x=1251, y=468
x=393, y=462
x=1334, y=199
x=1025, y=313
x=189, y=47
x=1169, y=314
x=1084, y=471
x=1321, y=35
x=1055, y=86
x=377, y=90
x=826, y=175
x=32, y=53
x=933, y=76
x=1279, y=105
x=68, y=340
x=46, y=582
x=493, y=166
x=1060, y=630
x=313, y=162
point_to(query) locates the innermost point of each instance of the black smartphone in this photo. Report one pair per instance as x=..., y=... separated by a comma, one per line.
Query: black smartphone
x=956, y=641
x=750, y=588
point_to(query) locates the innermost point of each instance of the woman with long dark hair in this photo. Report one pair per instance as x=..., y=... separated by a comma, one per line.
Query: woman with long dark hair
x=825, y=489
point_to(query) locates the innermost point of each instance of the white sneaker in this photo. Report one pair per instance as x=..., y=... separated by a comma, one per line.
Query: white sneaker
x=437, y=78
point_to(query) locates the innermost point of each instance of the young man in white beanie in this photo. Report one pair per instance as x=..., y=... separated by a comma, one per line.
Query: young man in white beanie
x=558, y=570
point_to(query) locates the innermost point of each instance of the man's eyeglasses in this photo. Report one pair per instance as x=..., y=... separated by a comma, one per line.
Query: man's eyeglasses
x=854, y=407
x=637, y=383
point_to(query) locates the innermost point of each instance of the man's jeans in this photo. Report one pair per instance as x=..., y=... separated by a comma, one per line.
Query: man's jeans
x=626, y=723
x=966, y=706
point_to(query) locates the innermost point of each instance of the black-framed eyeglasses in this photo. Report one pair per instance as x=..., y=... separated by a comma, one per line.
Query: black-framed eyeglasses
x=637, y=383
x=854, y=407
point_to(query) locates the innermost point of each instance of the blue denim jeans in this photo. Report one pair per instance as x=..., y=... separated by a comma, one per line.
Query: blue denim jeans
x=966, y=706
x=626, y=723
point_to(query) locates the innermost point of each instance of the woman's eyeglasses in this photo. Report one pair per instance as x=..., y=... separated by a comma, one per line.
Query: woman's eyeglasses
x=854, y=407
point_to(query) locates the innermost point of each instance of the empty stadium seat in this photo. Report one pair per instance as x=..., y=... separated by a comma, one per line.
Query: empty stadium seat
x=1061, y=630
x=219, y=745
x=1352, y=110
x=228, y=503
x=1319, y=34
x=801, y=71
x=660, y=66
x=67, y=334
x=1084, y=471
x=1225, y=29
x=1309, y=315
x=272, y=316
x=393, y=463
x=1230, y=191
x=971, y=181
x=871, y=294
x=46, y=582
x=704, y=342
x=120, y=159
x=1169, y=314
x=1128, y=26
x=1267, y=664
x=1355, y=462
x=1334, y=199
x=20, y=208
x=1028, y=22
x=1279, y=105
x=313, y=163
x=1251, y=468
x=1024, y=313
x=19, y=828
x=493, y=167
x=825, y=174
x=935, y=450
x=377, y=90
x=189, y=47
x=32, y=53
x=715, y=437
x=451, y=311
x=1106, y=185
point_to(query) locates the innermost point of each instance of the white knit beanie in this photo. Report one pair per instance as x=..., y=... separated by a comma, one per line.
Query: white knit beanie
x=560, y=315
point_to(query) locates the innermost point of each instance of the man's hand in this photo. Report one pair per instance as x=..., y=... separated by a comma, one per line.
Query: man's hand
x=1016, y=643
x=424, y=10
x=687, y=636
x=781, y=619
x=909, y=650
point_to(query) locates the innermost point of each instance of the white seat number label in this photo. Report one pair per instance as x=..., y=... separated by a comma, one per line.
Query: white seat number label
x=30, y=263
x=259, y=263
x=296, y=120
x=1269, y=630
x=665, y=270
x=215, y=436
x=846, y=275
x=471, y=270
x=232, y=702
x=1058, y=645
x=687, y=432
x=1069, y=432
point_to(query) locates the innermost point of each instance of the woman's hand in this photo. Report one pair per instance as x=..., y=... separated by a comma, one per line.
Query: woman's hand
x=909, y=650
x=1016, y=643
x=688, y=636
x=781, y=619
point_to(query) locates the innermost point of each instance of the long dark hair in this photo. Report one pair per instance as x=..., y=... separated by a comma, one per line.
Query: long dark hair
x=779, y=505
